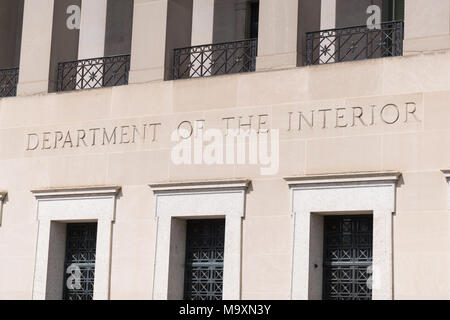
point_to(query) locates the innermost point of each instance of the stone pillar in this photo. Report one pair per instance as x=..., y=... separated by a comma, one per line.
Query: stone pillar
x=92, y=38
x=92, y=29
x=202, y=22
x=202, y=33
x=328, y=21
x=159, y=26
x=35, y=47
x=149, y=40
x=277, y=40
x=328, y=14
x=427, y=26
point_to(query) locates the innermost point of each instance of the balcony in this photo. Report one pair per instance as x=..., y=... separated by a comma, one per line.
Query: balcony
x=215, y=59
x=8, y=82
x=93, y=73
x=354, y=43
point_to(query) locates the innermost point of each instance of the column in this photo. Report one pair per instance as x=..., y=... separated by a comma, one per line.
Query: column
x=92, y=29
x=202, y=33
x=149, y=40
x=159, y=26
x=328, y=21
x=277, y=40
x=92, y=40
x=36, y=47
x=328, y=14
x=427, y=26
x=202, y=22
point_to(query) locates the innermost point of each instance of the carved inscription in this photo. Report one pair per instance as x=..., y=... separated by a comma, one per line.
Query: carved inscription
x=320, y=118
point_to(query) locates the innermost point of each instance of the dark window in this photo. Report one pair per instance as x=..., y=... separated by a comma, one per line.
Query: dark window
x=394, y=10
x=204, y=259
x=79, y=264
x=254, y=18
x=347, y=257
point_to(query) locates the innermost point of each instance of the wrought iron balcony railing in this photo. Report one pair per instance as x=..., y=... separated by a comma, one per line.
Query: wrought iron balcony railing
x=93, y=73
x=215, y=59
x=8, y=82
x=354, y=43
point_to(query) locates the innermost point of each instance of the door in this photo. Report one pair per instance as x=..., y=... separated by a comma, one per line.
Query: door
x=79, y=264
x=347, y=257
x=204, y=259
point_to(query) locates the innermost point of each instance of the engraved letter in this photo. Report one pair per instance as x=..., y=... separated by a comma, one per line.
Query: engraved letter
x=35, y=145
x=385, y=110
x=411, y=110
x=340, y=116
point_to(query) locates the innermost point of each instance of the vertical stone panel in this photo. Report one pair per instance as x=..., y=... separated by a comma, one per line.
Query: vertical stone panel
x=277, y=40
x=35, y=47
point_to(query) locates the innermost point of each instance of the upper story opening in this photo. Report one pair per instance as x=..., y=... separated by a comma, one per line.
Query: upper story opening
x=11, y=17
x=332, y=31
x=91, y=44
x=220, y=38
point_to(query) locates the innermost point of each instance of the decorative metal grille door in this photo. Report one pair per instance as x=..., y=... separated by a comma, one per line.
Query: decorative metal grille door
x=93, y=73
x=204, y=259
x=354, y=43
x=8, y=82
x=79, y=264
x=347, y=257
x=215, y=59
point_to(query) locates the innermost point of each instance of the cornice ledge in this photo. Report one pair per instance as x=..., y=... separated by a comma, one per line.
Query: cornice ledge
x=200, y=185
x=446, y=173
x=361, y=177
x=76, y=192
x=3, y=195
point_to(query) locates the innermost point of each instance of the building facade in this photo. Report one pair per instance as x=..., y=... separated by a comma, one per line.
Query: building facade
x=224, y=149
